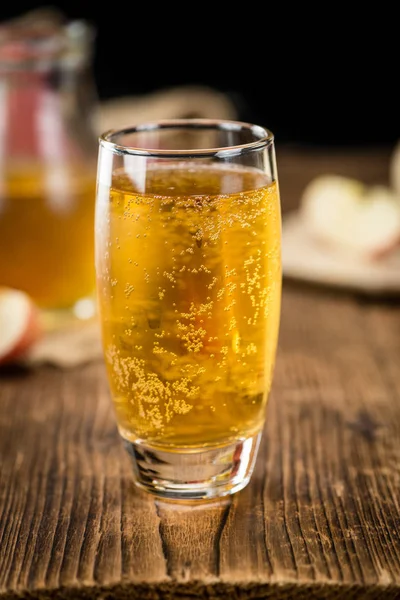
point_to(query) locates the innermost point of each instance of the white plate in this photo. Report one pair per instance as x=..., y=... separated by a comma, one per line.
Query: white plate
x=303, y=258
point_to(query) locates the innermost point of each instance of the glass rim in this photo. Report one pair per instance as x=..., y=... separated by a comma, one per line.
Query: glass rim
x=263, y=138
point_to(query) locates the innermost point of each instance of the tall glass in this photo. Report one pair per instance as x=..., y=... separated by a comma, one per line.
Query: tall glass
x=188, y=262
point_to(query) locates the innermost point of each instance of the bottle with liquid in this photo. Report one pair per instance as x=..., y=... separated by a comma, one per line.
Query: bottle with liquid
x=48, y=152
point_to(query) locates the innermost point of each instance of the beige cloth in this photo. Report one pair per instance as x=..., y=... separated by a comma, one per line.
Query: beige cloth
x=67, y=346
x=172, y=103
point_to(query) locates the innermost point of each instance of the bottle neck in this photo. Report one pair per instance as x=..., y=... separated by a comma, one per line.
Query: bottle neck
x=47, y=96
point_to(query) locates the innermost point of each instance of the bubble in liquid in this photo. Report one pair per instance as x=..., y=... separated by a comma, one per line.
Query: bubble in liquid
x=154, y=321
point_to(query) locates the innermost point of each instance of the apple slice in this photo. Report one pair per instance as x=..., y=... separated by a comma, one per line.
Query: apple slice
x=394, y=169
x=351, y=217
x=19, y=324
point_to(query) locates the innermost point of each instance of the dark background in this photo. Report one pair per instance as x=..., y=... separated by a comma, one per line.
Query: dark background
x=319, y=74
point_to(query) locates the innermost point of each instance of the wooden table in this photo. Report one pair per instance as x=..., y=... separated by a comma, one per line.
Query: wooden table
x=320, y=518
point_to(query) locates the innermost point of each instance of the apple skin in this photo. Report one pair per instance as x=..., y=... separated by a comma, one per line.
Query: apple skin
x=20, y=326
x=350, y=217
x=394, y=169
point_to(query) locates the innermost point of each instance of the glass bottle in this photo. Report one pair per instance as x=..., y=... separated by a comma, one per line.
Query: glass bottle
x=48, y=152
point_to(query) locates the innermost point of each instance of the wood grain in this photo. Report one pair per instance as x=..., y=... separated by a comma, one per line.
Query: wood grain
x=320, y=518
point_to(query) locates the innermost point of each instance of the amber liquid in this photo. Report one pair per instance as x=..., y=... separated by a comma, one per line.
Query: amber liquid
x=189, y=288
x=47, y=233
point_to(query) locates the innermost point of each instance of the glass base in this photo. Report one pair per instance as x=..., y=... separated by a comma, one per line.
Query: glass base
x=194, y=475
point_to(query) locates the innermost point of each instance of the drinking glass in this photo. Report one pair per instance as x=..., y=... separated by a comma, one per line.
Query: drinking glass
x=188, y=264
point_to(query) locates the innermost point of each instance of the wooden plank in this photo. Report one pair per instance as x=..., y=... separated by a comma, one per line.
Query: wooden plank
x=320, y=518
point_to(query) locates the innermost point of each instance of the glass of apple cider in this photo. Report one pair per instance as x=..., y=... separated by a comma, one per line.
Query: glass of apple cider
x=188, y=264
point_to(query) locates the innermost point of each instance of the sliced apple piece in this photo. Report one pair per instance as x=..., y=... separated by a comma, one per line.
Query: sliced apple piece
x=19, y=324
x=352, y=217
x=378, y=224
x=394, y=169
